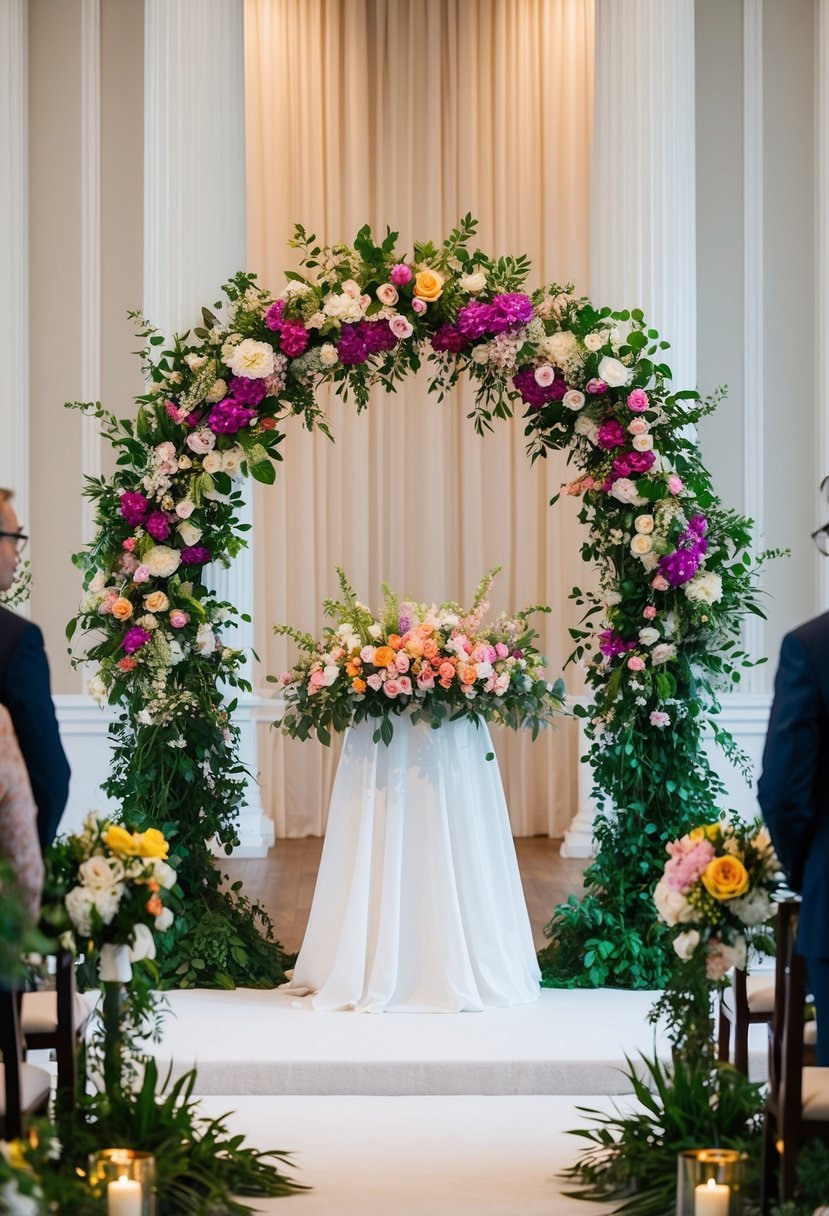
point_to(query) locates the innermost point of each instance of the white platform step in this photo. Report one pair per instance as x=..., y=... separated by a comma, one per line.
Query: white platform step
x=253, y=1042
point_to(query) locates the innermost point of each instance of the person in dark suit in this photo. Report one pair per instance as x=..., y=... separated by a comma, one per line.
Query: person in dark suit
x=793, y=792
x=25, y=690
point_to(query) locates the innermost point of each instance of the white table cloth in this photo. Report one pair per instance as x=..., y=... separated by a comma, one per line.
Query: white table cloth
x=418, y=905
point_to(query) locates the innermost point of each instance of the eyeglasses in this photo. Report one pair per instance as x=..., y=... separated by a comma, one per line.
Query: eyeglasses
x=821, y=539
x=20, y=539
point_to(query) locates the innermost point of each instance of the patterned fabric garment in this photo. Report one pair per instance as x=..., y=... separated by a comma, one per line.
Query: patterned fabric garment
x=18, y=817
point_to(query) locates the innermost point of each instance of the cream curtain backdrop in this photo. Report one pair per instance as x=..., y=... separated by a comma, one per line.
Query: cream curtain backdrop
x=409, y=113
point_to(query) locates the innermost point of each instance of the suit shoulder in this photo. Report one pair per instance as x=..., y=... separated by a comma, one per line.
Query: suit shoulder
x=13, y=628
x=813, y=636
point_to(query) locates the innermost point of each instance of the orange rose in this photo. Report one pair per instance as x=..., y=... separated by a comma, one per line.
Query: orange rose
x=395, y=641
x=428, y=285
x=468, y=673
x=383, y=656
x=358, y=685
x=121, y=608
x=446, y=671
x=154, y=906
x=424, y=631
x=352, y=667
x=414, y=647
x=430, y=648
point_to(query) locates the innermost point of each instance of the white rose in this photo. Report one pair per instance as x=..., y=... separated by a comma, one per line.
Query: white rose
x=644, y=524
x=375, y=631
x=185, y=508
x=648, y=635
x=217, y=391
x=643, y=443
x=484, y=670
x=624, y=490
x=252, y=359
x=143, y=943
x=686, y=943
x=164, y=920
x=79, y=903
x=232, y=460
x=662, y=653
x=99, y=582
x=705, y=587
x=212, y=462
x=329, y=675
x=560, y=348
x=107, y=900
x=752, y=909
x=573, y=399
x=472, y=283
x=163, y=873
x=194, y=361
x=593, y=342
x=162, y=561
x=614, y=373
x=586, y=426
x=328, y=354
x=189, y=533
x=97, y=689
x=205, y=640
x=672, y=905
x=387, y=294
x=97, y=872
x=480, y=354
x=114, y=965
x=640, y=545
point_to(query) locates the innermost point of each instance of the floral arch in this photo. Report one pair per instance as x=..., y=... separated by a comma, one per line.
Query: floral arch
x=659, y=641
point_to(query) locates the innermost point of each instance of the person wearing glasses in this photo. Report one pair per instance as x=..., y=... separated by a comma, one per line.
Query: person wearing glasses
x=793, y=791
x=25, y=689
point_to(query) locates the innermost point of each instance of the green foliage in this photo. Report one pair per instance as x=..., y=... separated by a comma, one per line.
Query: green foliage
x=632, y=1156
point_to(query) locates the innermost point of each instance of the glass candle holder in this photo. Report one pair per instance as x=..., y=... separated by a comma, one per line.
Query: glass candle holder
x=125, y=1180
x=710, y=1182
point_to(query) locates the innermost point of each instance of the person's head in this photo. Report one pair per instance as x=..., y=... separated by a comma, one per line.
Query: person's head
x=11, y=540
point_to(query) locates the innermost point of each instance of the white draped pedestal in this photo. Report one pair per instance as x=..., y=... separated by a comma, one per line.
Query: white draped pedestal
x=418, y=905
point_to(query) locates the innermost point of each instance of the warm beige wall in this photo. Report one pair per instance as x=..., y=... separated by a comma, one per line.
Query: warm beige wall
x=55, y=167
x=54, y=270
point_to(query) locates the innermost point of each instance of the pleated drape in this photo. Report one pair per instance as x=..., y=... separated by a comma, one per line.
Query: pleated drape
x=409, y=113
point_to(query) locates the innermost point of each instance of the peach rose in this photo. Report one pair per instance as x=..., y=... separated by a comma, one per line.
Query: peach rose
x=446, y=671
x=156, y=601
x=468, y=673
x=424, y=630
x=414, y=647
x=358, y=685
x=121, y=608
x=395, y=641
x=428, y=285
x=430, y=648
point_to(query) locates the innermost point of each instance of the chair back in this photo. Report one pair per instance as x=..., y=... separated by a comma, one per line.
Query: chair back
x=785, y=933
x=11, y=1124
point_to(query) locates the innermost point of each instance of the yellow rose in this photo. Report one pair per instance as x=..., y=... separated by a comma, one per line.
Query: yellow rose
x=151, y=844
x=725, y=878
x=120, y=841
x=428, y=285
x=696, y=835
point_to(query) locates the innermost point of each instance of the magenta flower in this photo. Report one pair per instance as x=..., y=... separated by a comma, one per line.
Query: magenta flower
x=400, y=274
x=638, y=400
x=511, y=310
x=195, y=555
x=595, y=387
x=448, y=338
x=273, y=317
x=611, y=435
x=134, y=639
x=134, y=507
x=475, y=319
x=293, y=339
x=247, y=391
x=158, y=526
x=377, y=336
x=229, y=416
x=351, y=347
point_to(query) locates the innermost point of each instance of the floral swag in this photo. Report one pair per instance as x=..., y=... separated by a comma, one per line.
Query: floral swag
x=659, y=639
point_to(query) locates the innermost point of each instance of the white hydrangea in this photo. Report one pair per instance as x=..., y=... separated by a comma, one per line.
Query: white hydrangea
x=755, y=908
x=704, y=588
x=252, y=359
x=162, y=561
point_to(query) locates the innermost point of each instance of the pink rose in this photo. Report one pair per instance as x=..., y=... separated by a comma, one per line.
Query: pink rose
x=501, y=650
x=635, y=663
x=639, y=426
x=286, y=677
x=595, y=387
x=201, y=441
x=401, y=662
x=400, y=327
x=387, y=294
x=127, y=563
x=178, y=619
x=375, y=681
x=316, y=681
x=401, y=274
x=418, y=305
x=544, y=375
x=367, y=654
x=405, y=686
x=141, y=575
x=638, y=400
x=660, y=583
x=391, y=688
x=128, y=544
x=185, y=508
x=649, y=613
x=350, y=288
x=426, y=679
x=674, y=484
x=660, y=719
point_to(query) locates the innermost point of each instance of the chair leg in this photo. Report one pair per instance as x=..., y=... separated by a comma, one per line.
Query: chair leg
x=768, y=1180
x=723, y=1036
x=741, y=1047
x=788, y=1167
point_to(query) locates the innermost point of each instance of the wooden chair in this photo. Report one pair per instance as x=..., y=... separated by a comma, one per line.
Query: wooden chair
x=797, y=1106
x=56, y=1020
x=748, y=1002
x=24, y=1088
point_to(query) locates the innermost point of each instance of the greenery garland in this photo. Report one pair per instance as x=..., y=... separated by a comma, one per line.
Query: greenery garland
x=660, y=638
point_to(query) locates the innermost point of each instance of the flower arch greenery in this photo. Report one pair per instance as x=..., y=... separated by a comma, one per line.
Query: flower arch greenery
x=658, y=641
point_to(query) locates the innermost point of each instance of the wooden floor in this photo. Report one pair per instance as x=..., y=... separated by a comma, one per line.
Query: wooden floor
x=284, y=882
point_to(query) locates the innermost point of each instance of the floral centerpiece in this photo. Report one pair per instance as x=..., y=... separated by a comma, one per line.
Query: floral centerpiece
x=435, y=663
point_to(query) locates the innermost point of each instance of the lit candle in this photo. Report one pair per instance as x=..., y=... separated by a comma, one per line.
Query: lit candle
x=124, y=1197
x=712, y=1199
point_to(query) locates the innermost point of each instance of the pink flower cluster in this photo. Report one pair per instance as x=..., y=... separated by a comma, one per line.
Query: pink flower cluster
x=688, y=860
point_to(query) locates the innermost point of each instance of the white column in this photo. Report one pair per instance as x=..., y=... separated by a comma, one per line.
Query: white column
x=14, y=243
x=90, y=251
x=643, y=244
x=822, y=324
x=195, y=235
x=578, y=839
x=643, y=230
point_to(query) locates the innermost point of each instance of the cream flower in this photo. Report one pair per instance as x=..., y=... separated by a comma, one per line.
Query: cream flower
x=662, y=653
x=561, y=348
x=614, y=373
x=643, y=443
x=189, y=533
x=671, y=905
x=573, y=399
x=648, y=635
x=640, y=544
x=328, y=354
x=162, y=561
x=212, y=462
x=644, y=524
x=624, y=490
x=704, y=588
x=686, y=943
x=252, y=359
x=217, y=391
x=472, y=283
x=593, y=342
